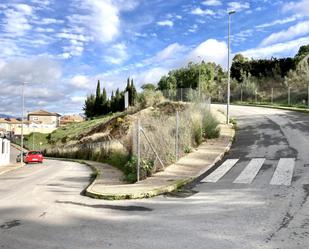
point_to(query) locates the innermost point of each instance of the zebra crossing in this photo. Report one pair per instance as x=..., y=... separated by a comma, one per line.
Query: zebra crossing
x=282, y=175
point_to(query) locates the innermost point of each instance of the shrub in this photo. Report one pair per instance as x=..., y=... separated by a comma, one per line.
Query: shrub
x=196, y=126
x=130, y=169
x=211, y=127
x=150, y=98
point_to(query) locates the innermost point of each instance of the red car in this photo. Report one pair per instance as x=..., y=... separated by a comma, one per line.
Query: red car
x=34, y=156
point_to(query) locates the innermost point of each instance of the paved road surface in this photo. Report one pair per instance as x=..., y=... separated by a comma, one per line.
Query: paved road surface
x=256, y=198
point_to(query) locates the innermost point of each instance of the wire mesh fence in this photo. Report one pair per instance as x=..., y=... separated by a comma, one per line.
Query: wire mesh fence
x=172, y=129
x=286, y=96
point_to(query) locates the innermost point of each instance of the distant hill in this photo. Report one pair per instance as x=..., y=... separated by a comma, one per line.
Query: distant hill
x=5, y=116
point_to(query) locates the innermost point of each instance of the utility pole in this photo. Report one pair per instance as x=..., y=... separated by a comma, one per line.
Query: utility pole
x=229, y=72
x=199, y=77
x=22, y=123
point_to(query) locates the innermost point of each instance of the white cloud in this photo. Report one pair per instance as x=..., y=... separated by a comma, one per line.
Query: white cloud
x=300, y=7
x=210, y=51
x=37, y=71
x=169, y=52
x=117, y=54
x=198, y=11
x=151, y=75
x=212, y=2
x=80, y=81
x=193, y=28
x=16, y=21
x=47, y=21
x=279, y=21
x=300, y=29
x=238, y=6
x=167, y=23
x=276, y=50
x=102, y=19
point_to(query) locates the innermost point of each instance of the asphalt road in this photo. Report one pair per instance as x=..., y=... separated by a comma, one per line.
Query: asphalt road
x=41, y=205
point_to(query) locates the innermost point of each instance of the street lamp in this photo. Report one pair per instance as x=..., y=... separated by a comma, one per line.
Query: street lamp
x=231, y=12
x=22, y=122
x=199, y=76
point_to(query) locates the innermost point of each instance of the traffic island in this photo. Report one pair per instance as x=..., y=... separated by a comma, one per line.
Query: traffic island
x=186, y=170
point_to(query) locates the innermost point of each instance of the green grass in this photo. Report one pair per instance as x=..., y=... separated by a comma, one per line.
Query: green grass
x=72, y=131
x=64, y=134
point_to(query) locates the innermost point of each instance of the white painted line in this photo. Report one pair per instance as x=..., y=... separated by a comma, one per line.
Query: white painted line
x=221, y=171
x=284, y=172
x=250, y=172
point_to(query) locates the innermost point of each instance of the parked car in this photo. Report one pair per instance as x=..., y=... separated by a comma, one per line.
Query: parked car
x=18, y=157
x=33, y=156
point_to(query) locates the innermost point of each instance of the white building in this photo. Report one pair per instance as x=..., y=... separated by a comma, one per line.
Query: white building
x=5, y=152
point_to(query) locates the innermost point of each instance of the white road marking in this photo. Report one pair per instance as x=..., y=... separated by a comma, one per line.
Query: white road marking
x=250, y=172
x=221, y=171
x=284, y=172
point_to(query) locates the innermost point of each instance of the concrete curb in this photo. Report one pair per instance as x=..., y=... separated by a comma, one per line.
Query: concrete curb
x=148, y=192
x=157, y=191
x=293, y=109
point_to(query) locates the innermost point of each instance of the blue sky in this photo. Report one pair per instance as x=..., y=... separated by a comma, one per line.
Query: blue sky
x=61, y=48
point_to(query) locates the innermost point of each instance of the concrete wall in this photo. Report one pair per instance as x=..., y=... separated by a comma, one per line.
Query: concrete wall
x=5, y=151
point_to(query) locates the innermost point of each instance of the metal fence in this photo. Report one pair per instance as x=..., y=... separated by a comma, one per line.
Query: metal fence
x=166, y=135
x=290, y=96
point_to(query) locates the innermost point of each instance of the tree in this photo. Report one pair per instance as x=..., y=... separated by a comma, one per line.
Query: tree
x=302, y=52
x=104, y=103
x=133, y=96
x=98, y=100
x=148, y=86
x=89, y=106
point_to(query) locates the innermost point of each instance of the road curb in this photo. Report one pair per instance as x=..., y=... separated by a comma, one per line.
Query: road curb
x=293, y=109
x=156, y=190
x=162, y=190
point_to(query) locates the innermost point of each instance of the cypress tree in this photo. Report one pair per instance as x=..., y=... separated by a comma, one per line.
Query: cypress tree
x=133, y=95
x=98, y=100
x=104, y=102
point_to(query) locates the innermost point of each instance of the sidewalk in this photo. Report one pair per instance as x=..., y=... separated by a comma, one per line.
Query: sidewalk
x=108, y=183
x=10, y=167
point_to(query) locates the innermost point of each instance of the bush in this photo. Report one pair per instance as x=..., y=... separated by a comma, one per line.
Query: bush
x=150, y=98
x=196, y=126
x=130, y=169
x=210, y=126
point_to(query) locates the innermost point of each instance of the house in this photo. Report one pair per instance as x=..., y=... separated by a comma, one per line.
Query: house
x=48, y=119
x=4, y=126
x=69, y=119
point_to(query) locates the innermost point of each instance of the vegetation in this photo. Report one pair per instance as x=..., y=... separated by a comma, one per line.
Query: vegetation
x=207, y=77
x=99, y=104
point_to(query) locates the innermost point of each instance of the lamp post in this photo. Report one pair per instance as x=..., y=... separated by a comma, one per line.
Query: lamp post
x=229, y=72
x=22, y=122
x=199, y=77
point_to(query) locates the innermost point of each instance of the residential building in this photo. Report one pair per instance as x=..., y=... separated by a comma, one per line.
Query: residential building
x=69, y=119
x=48, y=119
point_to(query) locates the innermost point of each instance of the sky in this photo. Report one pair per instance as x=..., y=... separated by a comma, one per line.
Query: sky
x=62, y=48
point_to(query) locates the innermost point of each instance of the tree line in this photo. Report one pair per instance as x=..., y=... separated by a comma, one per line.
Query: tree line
x=204, y=76
x=99, y=104
x=266, y=73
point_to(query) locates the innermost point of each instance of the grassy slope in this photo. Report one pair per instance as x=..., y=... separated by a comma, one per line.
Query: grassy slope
x=65, y=134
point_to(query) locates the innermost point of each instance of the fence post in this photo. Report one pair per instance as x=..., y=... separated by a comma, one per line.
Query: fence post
x=181, y=94
x=308, y=97
x=289, y=96
x=241, y=94
x=272, y=96
x=138, y=148
x=177, y=136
